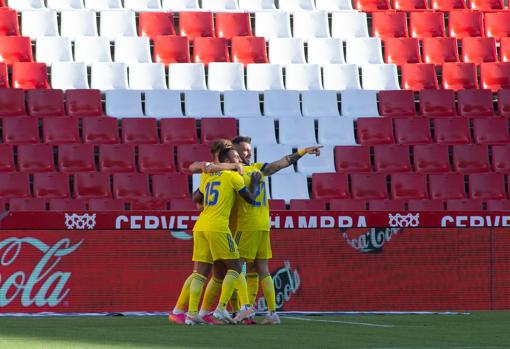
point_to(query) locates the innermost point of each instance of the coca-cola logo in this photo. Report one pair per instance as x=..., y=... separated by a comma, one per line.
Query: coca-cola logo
x=43, y=285
x=369, y=241
x=286, y=283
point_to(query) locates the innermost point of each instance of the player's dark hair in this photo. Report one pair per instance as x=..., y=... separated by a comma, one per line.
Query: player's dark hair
x=220, y=144
x=223, y=155
x=241, y=139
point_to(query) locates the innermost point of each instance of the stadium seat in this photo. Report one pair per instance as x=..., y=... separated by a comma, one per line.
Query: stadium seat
x=29, y=75
x=440, y=50
x=171, y=49
x=349, y=24
x=310, y=24
x=26, y=5
x=20, y=130
x=147, y=76
x=497, y=24
x=12, y=102
x=261, y=77
x=51, y=185
x=486, y=5
x=347, y=205
x=184, y=204
x=91, y=49
x=73, y=158
x=51, y=49
x=435, y=103
x=91, y=185
x=296, y=5
x=61, y=5
x=386, y=205
x=39, y=23
x=67, y=205
x=28, y=204
x=410, y=5
x=498, y=205
x=374, y=131
x=425, y=205
x=180, y=5
x=340, y=77
x=297, y=131
x=271, y=24
x=491, y=131
x=503, y=98
x=14, y=185
x=474, y=103
x=446, y=186
x=402, y=51
x=371, y=5
x=333, y=5
x=325, y=163
x=392, y=158
x=156, y=158
x=100, y=131
x=60, y=130
x=357, y=103
x=256, y=5
x=9, y=20
x=248, y=50
x=98, y=5
x=336, y=131
x=225, y=76
x=230, y=25
x=350, y=159
x=201, y=104
x=261, y=131
x=464, y=205
x=319, y=104
x=479, y=50
x=471, y=158
x=431, y=158
x=368, y=186
x=4, y=76
x=241, y=104
x=109, y=76
x=148, y=204
x=196, y=24
x=189, y=153
x=123, y=103
x=396, y=103
x=131, y=50
x=163, y=104
x=282, y=104
x=220, y=5
x=178, y=131
x=15, y=49
x=268, y=153
x=130, y=186
x=325, y=51
x=186, y=76
x=69, y=75
x=115, y=158
x=105, y=205
x=35, y=158
x=363, y=51
x=303, y=77
x=286, y=51
x=330, y=186
x=379, y=77
x=504, y=49
x=206, y=50
x=495, y=76
x=153, y=24
x=289, y=186
x=83, y=103
x=426, y=24
x=6, y=158
x=139, y=131
x=45, y=102
x=487, y=186
x=412, y=131
x=389, y=24
x=142, y=5
x=78, y=23
x=501, y=158
x=217, y=128
x=451, y=131
x=117, y=23
x=405, y=186
x=307, y=205
x=463, y=24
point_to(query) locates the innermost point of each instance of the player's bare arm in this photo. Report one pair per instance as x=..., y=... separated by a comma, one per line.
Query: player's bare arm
x=249, y=195
x=290, y=159
x=197, y=197
x=211, y=167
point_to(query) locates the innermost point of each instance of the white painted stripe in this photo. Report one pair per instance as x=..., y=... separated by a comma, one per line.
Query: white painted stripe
x=340, y=322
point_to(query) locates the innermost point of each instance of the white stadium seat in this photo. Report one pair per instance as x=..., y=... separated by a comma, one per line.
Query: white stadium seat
x=310, y=24
x=261, y=77
x=225, y=76
x=296, y=5
x=261, y=130
x=116, y=23
x=325, y=51
x=241, y=104
x=36, y=23
x=69, y=75
x=133, y=49
x=180, y=5
x=319, y=104
x=99, y=5
x=359, y=103
x=341, y=77
x=92, y=49
x=186, y=76
x=202, y=104
x=272, y=24
x=297, y=131
x=21, y=5
x=289, y=186
x=379, y=77
x=282, y=104
x=303, y=77
x=123, y=103
x=220, y=5
x=286, y=51
x=51, y=49
x=274, y=152
x=163, y=104
x=142, y=5
x=77, y=23
x=147, y=76
x=364, y=51
x=61, y=5
x=195, y=179
x=325, y=163
x=333, y=5
x=347, y=25
x=109, y=76
x=256, y=5
x=336, y=131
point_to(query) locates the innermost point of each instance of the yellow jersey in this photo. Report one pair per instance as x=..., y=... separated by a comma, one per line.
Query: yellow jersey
x=253, y=217
x=219, y=190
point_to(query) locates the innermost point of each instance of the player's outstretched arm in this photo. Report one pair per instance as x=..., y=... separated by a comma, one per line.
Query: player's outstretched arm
x=211, y=167
x=197, y=196
x=290, y=159
x=249, y=194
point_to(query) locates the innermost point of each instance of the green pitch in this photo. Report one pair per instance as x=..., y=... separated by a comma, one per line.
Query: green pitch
x=480, y=330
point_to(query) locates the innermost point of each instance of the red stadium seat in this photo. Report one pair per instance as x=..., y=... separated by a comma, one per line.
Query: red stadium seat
x=152, y=24
x=187, y=204
x=412, y=131
x=495, y=76
x=459, y=76
x=504, y=102
x=29, y=75
x=501, y=158
x=462, y=24
x=15, y=49
x=330, y=186
x=45, y=102
x=471, y=158
x=195, y=24
x=9, y=23
x=35, y=158
x=20, y=130
x=447, y=186
x=401, y=51
x=130, y=186
x=431, y=158
x=27, y=204
x=276, y=204
x=189, y=153
x=12, y=102
x=486, y=5
x=14, y=185
x=386, y=205
x=51, y=185
x=148, y=205
x=392, y=158
x=100, y=130
x=92, y=185
x=307, y=205
x=420, y=76
x=178, y=131
x=83, y=103
x=248, y=50
x=206, y=50
x=452, y=131
x=440, y=50
x=491, y=131
x=389, y=24
x=116, y=158
x=479, y=50
x=156, y=158
x=106, y=205
x=434, y=103
x=425, y=205
x=170, y=186
x=67, y=205
x=60, y=130
x=371, y=5
x=231, y=24
x=139, y=131
x=497, y=24
x=396, y=103
x=4, y=76
x=487, y=186
x=504, y=49
x=6, y=158
x=426, y=24
x=74, y=158
x=447, y=5
x=498, y=205
x=215, y=128
x=409, y=186
x=367, y=186
x=171, y=49
x=463, y=205
x=475, y=103
x=375, y=131
x=347, y=205
x=350, y=159
x=410, y=5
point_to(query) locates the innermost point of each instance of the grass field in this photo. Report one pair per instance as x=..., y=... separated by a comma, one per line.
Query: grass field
x=479, y=330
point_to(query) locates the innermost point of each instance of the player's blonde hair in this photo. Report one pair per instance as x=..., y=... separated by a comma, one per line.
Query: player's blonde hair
x=219, y=145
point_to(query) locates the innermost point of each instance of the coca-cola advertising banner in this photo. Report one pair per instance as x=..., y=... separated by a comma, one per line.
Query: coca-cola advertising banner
x=339, y=269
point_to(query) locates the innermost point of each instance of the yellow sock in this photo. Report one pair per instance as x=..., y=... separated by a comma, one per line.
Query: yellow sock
x=227, y=288
x=183, y=299
x=268, y=290
x=242, y=290
x=252, y=280
x=195, y=292
x=234, y=301
x=211, y=294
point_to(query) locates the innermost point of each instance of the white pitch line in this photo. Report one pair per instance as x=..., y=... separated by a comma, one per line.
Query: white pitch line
x=340, y=322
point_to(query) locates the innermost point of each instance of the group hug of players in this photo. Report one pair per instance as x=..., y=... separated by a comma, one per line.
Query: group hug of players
x=233, y=228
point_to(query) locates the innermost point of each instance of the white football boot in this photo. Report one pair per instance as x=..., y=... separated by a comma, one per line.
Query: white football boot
x=271, y=319
x=223, y=315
